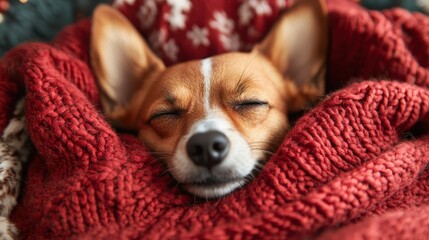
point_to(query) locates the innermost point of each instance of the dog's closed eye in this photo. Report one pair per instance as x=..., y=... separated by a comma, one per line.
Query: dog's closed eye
x=249, y=103
x=215, y=118
x=169, y=113
x=164, y=120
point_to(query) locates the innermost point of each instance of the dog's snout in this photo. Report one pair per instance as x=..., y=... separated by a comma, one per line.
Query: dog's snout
x=208, y=149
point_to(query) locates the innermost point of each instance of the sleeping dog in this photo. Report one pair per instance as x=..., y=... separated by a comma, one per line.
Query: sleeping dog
x=211, y=121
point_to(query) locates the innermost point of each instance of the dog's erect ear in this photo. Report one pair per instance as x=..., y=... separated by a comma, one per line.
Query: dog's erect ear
x=121, y=61
x=297, y=46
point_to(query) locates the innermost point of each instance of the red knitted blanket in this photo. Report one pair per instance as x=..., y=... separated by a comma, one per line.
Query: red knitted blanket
x=355, y=166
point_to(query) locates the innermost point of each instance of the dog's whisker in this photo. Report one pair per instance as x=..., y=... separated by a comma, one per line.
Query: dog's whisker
x=235, y=76
x=164, y=172
x=162, y=158
x=155, y=161
x=263, y=145
x=258, y=165
x=265, y=148
x=177, y=185
x=261, y=142
x=270, y=153
x=161, y=154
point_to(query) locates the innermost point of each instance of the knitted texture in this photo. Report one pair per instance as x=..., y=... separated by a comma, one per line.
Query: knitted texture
x=356, y=162
x=178, y=31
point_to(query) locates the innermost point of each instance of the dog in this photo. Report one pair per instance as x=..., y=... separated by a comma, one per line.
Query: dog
x=215, y=121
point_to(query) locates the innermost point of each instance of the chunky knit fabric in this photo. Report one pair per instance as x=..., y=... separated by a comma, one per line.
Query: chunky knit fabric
x=184, y=30
x=355, y=166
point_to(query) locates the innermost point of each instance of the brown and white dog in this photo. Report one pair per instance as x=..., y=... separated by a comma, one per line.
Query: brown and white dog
x=212, y=121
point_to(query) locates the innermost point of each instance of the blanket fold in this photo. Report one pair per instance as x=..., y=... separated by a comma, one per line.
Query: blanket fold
x=353, y=165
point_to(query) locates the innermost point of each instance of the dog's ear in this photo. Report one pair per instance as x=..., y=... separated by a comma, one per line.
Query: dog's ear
x=297, y=46
x=121, y=61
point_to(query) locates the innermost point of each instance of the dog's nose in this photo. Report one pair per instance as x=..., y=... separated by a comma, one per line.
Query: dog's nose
x=208, y=149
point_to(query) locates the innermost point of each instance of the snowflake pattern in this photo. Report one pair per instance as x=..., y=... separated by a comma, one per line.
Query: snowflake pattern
x=177, y=17
x=171, y=50
x=225, y=26
x=248, y=8
x=117, y=3
x=198, y=36
x=222, y=23
x=261, y=7
x=230, y=42
x=157, y=38
x=281, y=3
x=161, y=45
x=220, y=26
x=245, y=14
x=147, y=13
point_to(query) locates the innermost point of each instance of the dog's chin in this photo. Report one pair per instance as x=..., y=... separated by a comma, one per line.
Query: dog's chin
x=211, y=189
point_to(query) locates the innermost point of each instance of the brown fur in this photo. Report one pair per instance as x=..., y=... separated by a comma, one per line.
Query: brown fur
x=286, y=70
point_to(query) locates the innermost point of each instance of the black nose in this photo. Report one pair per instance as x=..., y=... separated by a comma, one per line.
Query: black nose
x=208, y=149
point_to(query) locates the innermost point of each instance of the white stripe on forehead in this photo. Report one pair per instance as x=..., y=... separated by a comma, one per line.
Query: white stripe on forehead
x=206, y=70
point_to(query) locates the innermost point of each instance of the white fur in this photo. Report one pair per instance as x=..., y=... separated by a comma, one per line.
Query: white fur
x=206, y=70
x=238, y=163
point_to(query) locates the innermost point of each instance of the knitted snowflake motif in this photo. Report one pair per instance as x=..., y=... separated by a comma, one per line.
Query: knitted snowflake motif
x=218, y=27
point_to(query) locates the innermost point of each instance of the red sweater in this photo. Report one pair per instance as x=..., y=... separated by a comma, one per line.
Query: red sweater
x=345, y=170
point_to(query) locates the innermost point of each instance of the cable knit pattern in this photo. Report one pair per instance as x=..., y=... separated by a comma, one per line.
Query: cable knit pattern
x=354, y=166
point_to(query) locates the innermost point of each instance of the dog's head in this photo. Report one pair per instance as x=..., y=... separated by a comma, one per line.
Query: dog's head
x=212, y=121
